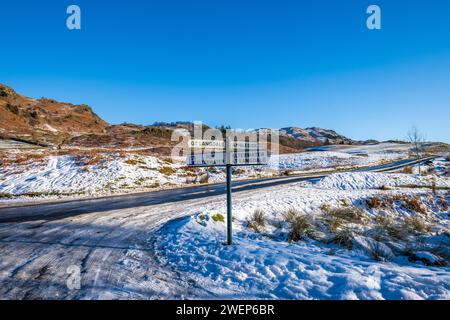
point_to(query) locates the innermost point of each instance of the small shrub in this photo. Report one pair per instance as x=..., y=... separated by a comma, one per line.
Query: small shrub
x=153, y=185
x=407, y=170
x=325, y=207
x=393, y=229
x=238, y=171
x=166, y=171
x=133, y=162
x=212, y=170
x=350, y=214
x=416, y=225
x=442, y=203
x=344, y=237
x=291, y=215
x=415, y=204
x=299, y=228
x=374, y=203
x=257, y=221
x=385, y=188
x=286, y=173
x=218, y=218
x=140, y=181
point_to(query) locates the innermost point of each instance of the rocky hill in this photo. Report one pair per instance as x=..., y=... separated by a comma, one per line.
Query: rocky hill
x=44, y=121
x=47, y=122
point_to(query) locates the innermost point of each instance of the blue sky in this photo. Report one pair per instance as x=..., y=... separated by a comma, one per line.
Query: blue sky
x=244, y=63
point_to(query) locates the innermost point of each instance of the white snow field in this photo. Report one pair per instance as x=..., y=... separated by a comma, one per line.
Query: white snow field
x=360, y=243
x=342, y=157
x=73, y=176
x=368, y=261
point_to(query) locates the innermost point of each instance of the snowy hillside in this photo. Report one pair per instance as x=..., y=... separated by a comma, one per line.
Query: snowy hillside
x=36, y=174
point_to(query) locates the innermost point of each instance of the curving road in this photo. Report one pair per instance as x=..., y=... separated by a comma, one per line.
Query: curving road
x=107, y=242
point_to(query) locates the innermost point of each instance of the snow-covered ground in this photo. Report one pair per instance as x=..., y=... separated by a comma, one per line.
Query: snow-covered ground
x=30, y=175
x=341, y=157
x=352, y=241
x=359, y=242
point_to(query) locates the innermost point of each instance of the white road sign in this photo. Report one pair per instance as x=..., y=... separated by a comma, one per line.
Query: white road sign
x=248, y=158
x=206, y=159
x=235, y=158
x=243, y=145
x=206, y=144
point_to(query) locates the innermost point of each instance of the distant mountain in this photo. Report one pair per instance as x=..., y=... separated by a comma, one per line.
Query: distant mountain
x=317, y=136
x=48, y=122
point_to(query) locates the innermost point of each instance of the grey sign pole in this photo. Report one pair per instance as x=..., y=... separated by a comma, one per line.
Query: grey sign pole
x=229, y=207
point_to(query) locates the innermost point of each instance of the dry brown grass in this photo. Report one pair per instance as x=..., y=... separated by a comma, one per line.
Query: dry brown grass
x=257, y=221
x=90, y=159
x=375, y=203
x=167, y=170
x=393, y=228
x=344, y=237
x=134, y=162
x=416, y=225
x=407, y=170
x=415, y=204
x=22, y=158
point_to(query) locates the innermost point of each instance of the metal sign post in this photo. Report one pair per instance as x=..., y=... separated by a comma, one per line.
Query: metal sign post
x=229, y=208
x=226, y=154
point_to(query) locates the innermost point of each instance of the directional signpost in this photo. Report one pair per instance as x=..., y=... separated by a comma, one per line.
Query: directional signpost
x=226, y=154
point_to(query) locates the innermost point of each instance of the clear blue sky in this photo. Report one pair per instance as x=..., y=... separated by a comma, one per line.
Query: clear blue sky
x=244, y=63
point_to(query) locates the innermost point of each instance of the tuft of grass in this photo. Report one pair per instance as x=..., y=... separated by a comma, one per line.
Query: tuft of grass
x=286, y=173
x=349, y=214
x=238, y=171
x=133, y=162
x=218, y=217
x=291, y=214
x=416, y=225
x=139, y=181
x=394, y=229
x=374, y=203
x=407, y=170
x=153, y=185
x=299, y=227
x=166, y=170
x=415, y=204
x=257, y=221
x=344, y=237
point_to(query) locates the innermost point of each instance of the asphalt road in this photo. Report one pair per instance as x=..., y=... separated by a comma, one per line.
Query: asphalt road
x=62, y=209
x=109, y=242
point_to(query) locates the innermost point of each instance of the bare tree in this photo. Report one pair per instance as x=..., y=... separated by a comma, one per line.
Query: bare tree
x=416, y=139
